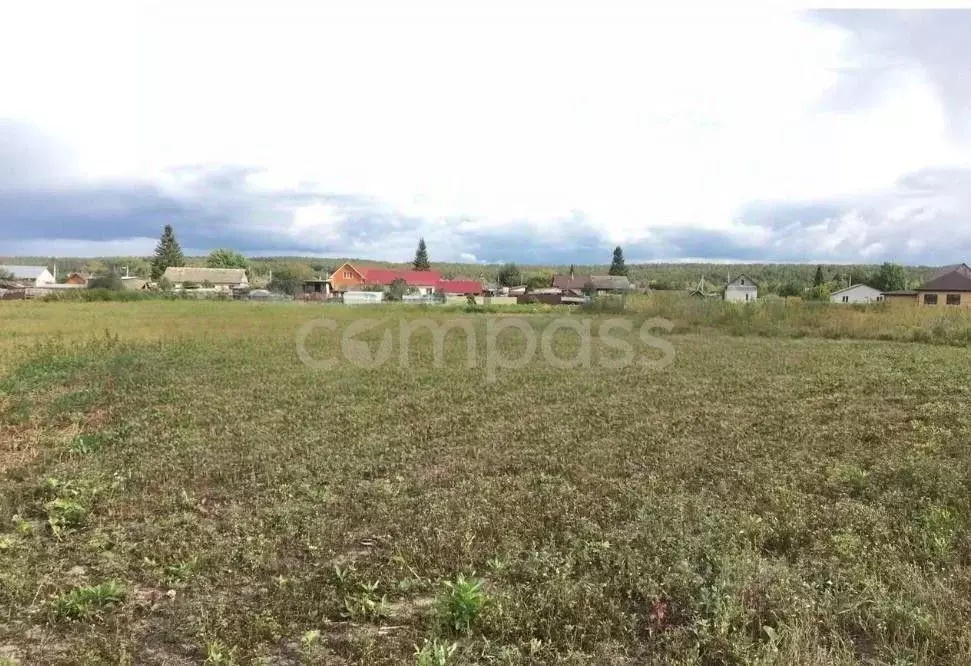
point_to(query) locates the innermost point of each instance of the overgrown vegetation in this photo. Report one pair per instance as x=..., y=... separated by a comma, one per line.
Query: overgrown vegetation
x=176, y=487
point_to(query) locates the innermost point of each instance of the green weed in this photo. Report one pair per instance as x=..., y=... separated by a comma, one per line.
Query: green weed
x=462, y=602
x=84, y=602
x=434, y=653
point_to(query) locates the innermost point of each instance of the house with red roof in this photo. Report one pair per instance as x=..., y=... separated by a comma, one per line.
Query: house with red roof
x=352, y=278
x=460, y=287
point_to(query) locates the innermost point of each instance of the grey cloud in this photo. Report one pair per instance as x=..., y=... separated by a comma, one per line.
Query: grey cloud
x=878, y=226
x=29, y=158
x=217, y=205
x=938, y=42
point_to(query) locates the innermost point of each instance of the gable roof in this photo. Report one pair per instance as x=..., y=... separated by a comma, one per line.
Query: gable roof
x=735, y=282
x=24, y=272
x=615, y=282
x=385, y=276
x=855, y=286
x=344, y=267
x=566, y=282
x=460, y=286
x=199, y=275
x=580, y=282
x=953, y=278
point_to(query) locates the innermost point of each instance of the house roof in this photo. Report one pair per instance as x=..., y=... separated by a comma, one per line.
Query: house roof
x=567, y=282
x=200, y=275
x=855, y=286
x=385, y=276
x=460, y=286
x=954, y=278
x=739, y=277
x=24, y=272
x=580, y=282
x=616, y=282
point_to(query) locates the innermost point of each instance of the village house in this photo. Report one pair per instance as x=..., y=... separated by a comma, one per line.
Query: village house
x=951, y=286
x=857, y=293
x=742, y=289
x=220, y=279
x=30, y=276
x=460, y=287
x=572, y=285
x=611, y=284
x=904, y=296
x=77, y=279
x=349, y=278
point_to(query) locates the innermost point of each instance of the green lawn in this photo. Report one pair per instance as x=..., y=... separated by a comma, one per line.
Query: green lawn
x=177, y=487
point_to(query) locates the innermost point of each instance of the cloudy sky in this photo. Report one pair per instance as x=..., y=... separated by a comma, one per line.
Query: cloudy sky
x=526, y=131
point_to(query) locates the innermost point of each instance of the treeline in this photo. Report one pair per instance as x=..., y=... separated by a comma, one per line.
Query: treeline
x=772, y=278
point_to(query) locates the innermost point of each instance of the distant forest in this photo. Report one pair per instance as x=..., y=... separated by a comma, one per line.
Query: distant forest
x=772, y=278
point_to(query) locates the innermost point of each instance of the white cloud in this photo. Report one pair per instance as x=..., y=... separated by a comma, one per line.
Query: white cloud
x=474, y=118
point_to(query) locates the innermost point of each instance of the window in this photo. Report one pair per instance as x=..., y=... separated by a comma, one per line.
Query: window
x=880, y=298
x=930, y=299
x=348, y=274
x=954, y=299
x=742, y=281
x=846, y=299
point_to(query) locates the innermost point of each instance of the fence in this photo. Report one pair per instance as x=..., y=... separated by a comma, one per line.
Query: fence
x=13, y=294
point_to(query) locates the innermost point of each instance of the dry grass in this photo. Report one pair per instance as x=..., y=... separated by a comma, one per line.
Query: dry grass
x=763, y=500
x=777, y=317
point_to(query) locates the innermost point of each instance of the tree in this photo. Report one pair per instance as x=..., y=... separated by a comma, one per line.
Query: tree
x=818, y=293
x=818, y=280
x=509, y=276
x=859, y=275
x=223, y=258
x=97, y=267
x=890, y=277
x=111, y=282
x=167, y=253
x=617, y=266
x=396, y=290
x=421, y=257
x=537, y=281
x=288, y=278
x=790, y=289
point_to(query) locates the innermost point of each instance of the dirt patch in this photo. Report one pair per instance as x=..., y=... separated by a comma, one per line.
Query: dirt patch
x=11, y=653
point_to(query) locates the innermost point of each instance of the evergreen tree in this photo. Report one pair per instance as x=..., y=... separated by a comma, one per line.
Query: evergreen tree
x=617, y=266
x=167, y=253
x=818, y=280
x=421, y=257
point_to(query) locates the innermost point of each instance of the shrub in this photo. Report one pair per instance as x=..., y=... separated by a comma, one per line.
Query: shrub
x=462, y=602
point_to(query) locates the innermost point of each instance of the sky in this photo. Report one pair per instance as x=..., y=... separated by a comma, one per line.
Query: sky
x=528, y=131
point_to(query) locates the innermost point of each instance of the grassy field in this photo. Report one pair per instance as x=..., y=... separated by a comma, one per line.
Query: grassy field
x=176, y=487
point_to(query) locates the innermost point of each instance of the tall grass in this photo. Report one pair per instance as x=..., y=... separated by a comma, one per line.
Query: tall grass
x=781, y=318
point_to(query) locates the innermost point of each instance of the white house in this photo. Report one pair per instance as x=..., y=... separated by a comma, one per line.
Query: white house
x=857, y=293
x=221, y=279
x=743, y=289
x=30, y=276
